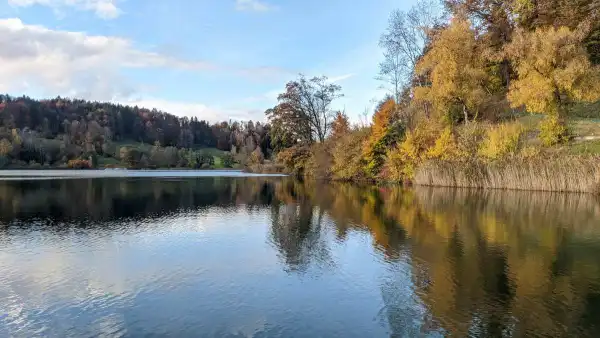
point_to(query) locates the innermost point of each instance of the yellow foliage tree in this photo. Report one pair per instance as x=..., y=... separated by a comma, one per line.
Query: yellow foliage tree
x=456, y=70
x=553, y=69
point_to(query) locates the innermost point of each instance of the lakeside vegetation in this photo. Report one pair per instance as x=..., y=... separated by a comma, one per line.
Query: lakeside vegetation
x=497, y=94
x=482, y=93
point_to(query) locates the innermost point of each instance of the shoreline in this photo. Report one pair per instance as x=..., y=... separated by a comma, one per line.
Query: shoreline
x=25, y=174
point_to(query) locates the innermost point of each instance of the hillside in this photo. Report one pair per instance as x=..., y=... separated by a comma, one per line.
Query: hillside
x=76, y=133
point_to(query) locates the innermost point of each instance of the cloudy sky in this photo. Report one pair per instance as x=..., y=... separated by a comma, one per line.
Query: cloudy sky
x=215, y=59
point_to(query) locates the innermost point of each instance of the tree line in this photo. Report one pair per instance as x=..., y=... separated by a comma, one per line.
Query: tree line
x=460, y=74
x=60, y=131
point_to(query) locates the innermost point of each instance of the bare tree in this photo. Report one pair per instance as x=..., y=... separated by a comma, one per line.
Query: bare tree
x=304, y=109
x=404, y=41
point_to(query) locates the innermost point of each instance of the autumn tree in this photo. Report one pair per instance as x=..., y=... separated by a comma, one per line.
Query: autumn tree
x=304, y=110
x=553, y=70
x=386, y=130
x=492, y=19
x=340, y=125
x=456, y=71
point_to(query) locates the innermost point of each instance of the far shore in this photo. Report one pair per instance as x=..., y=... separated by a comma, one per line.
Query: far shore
x=124, y=173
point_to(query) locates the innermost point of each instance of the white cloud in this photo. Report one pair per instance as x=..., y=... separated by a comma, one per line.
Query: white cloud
x=35, y=59
x=73, y=63
x=252, y=5
x=202, y=111
x=340, y=78
x=105, y=9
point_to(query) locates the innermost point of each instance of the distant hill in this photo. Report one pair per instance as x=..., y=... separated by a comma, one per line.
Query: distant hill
x=55, y=131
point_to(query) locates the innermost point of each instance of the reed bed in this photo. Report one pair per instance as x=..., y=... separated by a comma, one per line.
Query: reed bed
x=564, y=174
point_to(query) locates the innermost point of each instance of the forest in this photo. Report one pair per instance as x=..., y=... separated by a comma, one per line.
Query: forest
x=482, y=93
x=68, y=133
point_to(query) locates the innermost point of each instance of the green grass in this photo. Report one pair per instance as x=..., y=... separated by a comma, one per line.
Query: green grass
x=586, y=110
x=584, y=148
x=578, y=126
x=218, y=163
x=585, y=127
x=146, y=147
x=211, y=151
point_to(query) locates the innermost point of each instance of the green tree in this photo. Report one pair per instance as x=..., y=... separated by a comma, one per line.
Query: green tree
x=227, y=160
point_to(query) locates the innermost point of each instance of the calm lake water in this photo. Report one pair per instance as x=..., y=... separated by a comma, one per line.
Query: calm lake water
x=273, y=257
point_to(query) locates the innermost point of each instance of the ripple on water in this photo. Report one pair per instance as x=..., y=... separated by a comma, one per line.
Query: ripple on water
x=264, y=258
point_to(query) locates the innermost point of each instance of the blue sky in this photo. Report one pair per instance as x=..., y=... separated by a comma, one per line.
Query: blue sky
x=215, y=59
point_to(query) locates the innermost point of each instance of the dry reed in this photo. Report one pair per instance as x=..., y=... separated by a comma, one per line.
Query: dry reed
x=566, y=174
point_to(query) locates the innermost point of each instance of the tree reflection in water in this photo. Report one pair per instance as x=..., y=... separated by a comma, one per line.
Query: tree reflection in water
x=459, y=262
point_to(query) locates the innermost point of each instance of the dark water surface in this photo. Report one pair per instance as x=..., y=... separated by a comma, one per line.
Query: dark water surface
x=271, y=257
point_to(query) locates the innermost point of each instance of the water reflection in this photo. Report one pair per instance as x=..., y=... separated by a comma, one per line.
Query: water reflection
x=277, y=257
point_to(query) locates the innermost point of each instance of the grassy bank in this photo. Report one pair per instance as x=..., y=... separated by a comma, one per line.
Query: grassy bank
x=565, y=174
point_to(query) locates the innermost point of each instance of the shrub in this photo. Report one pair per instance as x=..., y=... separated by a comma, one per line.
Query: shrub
x=470, y=137
x=294, y=159
x=203, y=159
x=256, y=157
x=131, y=156
x=553, y=130
x=34, y=165
x=529, y=152
x=402, y=160
x=227, y=160
x=266, y=168
x=320, y=162
x=348, y=162
x=79, y=164
x=501, y=141
x=445, y=147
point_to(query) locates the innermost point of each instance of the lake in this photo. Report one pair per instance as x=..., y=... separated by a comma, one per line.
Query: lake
x=260, y=256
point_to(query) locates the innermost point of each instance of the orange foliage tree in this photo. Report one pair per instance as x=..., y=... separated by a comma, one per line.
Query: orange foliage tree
x=385, y=132
x=340, y=125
